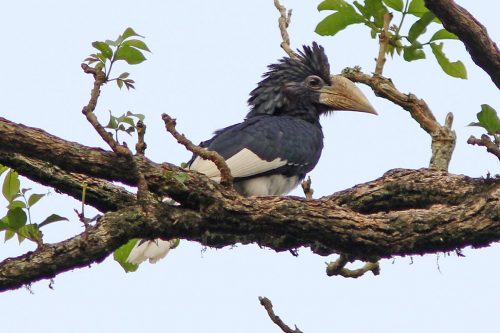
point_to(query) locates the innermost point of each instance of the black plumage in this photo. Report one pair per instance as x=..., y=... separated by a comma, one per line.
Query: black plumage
x=282, y=126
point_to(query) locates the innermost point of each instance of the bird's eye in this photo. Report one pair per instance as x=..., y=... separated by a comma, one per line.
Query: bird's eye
x=314, y=82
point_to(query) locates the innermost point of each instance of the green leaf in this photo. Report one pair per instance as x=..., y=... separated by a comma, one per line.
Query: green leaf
x=417, y=8
x=338, y=21
x=52, y=218
x=140, y=116
x=34, y=198
x=16, y=203
x=29, y=231
x=181, y=177
x=127, y=120
x=124, y=75
x=11, y=184
x=4, y=223
x=104, y=48
x=138, y=44
x=395, y=4
x=16, y=218
x=3, y=168
x=102, y=58
x=420, y=26
x=99, y=66
x=443, y=34
x=411, y=53
x=338, y=5
x=119, y=83
x=131, y=55
x=373, y=8
x=174, y=243
x=113, y=121
x=122, y=253
x=488, y=119
x=111, y=42
x=24, y=190
x=455, y=69
x=129, y=32
x=9, y=234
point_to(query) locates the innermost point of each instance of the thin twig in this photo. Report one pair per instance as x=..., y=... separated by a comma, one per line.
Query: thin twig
x=88, y=110
x=383, y=38
x=283, y=22
x=485, y=141
x=141, y=145
x=266, y=303
x=337, y=267
x=225, y=172
x=443, y=137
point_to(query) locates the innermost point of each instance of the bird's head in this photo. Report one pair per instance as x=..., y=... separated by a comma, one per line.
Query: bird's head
x=303, y=87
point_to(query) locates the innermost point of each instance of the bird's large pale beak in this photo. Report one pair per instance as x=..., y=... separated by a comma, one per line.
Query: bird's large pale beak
x=343, y=94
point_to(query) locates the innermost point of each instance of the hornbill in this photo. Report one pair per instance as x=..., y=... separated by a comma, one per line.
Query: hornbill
x=281, y=139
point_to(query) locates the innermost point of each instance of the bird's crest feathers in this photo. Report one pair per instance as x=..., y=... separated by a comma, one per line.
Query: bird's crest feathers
x=268, y=97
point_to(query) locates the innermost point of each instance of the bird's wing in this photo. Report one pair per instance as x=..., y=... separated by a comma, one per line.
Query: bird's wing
x=264, y=145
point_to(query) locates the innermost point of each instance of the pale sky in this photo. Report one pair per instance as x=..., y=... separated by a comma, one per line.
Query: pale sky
x=207, y=56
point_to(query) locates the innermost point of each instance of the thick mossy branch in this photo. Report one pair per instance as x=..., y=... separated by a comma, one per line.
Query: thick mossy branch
x=405, y=212
x=100, y=194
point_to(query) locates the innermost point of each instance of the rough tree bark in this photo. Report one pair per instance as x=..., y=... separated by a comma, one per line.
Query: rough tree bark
x=404, y=212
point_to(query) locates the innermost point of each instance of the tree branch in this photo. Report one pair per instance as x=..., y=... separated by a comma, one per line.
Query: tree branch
x=337, y=267
x=405, y=212
x=101, y=194
x=266, y=303
x=283, y=22
x=88, y=110
x=431, y=211
x=383, y=41
x=456, y=19
x=225, y=172
x=443, y=137
x=485, y=141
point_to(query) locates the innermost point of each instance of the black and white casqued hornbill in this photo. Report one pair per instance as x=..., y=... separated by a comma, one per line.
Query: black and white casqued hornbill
x=281, y=139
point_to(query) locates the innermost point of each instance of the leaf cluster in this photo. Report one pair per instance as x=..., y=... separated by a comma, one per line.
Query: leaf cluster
x=410, y=43
x=124, y=123
x=17, y=220
x=488, y=119
x=127, y=47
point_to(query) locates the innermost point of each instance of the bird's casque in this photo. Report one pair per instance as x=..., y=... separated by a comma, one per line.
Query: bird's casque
x=281, y=139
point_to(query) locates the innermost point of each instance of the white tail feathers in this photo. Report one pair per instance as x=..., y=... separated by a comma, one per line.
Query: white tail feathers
x=152, y=250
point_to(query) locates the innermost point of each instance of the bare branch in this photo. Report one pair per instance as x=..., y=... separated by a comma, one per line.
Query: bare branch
x=443, y=138
x=456, y=19
x=283, y=22
x=88, y=110
x=485, y=141
x=383, y=38
x=226, y=177
x=337, y=267
x=266, y=303
x=141, y=146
